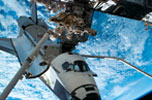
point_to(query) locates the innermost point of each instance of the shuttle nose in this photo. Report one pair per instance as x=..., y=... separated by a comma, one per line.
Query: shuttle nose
x=87, y=92
x=92, y=96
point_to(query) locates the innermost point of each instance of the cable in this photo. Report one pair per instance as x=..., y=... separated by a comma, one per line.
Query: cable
x=119, y=59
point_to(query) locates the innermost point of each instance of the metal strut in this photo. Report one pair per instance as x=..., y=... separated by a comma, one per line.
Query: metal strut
x=122, y=60
x=24, y=67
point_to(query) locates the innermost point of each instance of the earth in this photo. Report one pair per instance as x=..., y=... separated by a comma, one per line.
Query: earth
x=116, y=36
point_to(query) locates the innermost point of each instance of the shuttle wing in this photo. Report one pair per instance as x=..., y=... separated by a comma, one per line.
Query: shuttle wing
x=7, y=45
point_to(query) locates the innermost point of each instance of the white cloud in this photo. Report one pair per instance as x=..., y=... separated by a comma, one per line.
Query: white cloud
x=15, y=6
x=120, y=90
x=117, y=90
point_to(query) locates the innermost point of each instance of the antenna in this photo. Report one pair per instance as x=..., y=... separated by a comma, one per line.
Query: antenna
x=34, y=11
x=122, y=60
